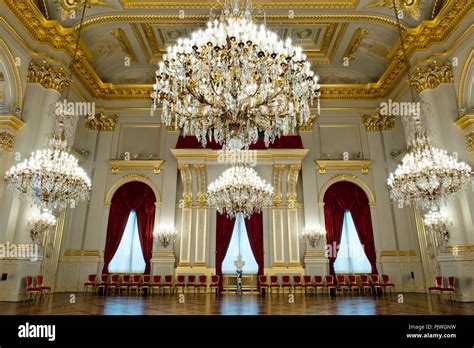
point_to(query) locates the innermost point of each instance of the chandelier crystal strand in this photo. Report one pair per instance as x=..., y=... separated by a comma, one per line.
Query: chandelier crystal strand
x=239, y=190
x=41, y=224
x=235, y=79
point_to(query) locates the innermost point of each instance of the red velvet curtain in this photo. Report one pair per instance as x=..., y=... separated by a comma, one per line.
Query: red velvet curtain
x=224, y=229
x=136, y=196
x=340, y=197
x=254, y=227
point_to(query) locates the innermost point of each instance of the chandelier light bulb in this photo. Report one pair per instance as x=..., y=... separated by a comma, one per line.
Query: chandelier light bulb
x=313, y=234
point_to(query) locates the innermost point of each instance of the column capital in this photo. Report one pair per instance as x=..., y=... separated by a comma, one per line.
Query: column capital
x=432, y=76
x=6, y=141
x=9, y=127
x=378, y=122
x=50, y=77
x=102, y=122
x=470, y=141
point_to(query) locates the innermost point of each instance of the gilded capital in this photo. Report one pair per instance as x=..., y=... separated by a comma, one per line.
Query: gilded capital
x=432, y=76
x=50, y=77
x=378, y=122
x=6, y=141
x=102, y=122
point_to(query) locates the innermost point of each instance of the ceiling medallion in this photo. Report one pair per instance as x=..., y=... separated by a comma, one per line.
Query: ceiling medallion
x=239, y=190
x=235, y=79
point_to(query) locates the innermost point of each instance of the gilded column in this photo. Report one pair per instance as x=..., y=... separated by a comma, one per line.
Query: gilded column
x=292, y=213
x=186, y=216
x=277, y=217
x=200, y=240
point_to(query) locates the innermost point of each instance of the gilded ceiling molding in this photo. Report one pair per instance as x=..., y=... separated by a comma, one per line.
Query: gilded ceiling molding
x=49, y=77
x=353, y=46
x=277, y=184
x=437, y=5
x=293, y=173
x=141, y=42
x=9, y=60
x=201, y=172
x=470, y=141
x=412, y=7
x=464, y=77
x=187, y=180
x=465, y=122
x=124, y=42
x=102, y=122
x=432, y=76
x=7, y=141
x=377, y=122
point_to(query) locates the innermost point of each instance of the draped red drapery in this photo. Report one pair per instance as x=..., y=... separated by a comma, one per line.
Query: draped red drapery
x=224, y=229
x=342, y=196
x=254, y=227
x=136, y=196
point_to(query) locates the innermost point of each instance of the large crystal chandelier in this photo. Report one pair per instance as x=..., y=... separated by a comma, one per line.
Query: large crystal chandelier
x=50, y=178
x=39, y=225
x=239, y=190
x=438, y=224
x=235, y=79
x=428, y=176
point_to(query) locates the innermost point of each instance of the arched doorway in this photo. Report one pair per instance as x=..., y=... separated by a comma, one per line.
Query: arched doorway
x=131, y=222
x=346, y=208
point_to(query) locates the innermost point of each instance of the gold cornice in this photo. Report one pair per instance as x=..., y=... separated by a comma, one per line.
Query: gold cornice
x=351, y=49
x=79, y=252
x=209, y=155
x=397, y=253
x=7, y=141
x=11, y=123
x=469, y=141
x=124, y=42
x=327, y=4
x=465, y=122
x=462, y=248
x=377, y=122
x=432, y=76
x=48, y=76
x=362, y=165
x=117, y=165
x=141, y=42
x=102, y=122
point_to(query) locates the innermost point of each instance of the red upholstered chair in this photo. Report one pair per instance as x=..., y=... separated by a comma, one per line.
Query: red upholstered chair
x=285, y=283
x=297, y=282
x=450, y=289
x=330, y=282
x=374, y=279
x=318, y=283
x=274, y=283
x=202, y=283
x=191, y=282
x=353, y=283
x=31, y=288
x=145, y=285
x=156, y=284
x=180, y=283
x=168, y=283
x=438, y=286
x=215, y=283
x=262, y=282
x=386, y=283
x=113, y=282
x=124, y=283
x=135, y=284
x=39, y=284
x=341, y=283
x=308, y=284
x=91, y=282
x=103, y=282
x=364, y=282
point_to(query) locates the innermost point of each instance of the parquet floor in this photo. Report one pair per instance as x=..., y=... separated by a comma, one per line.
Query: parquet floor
x=231, y=304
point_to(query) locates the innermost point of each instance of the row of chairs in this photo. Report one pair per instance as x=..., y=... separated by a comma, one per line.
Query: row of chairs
x=35, y=286
x=440, y=289
x=139, y=283
x=344, y=284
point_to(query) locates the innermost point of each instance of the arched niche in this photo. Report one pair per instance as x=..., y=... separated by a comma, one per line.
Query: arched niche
x=129, y=178
x=10, y=80
x=351, y=178
x=466, y=84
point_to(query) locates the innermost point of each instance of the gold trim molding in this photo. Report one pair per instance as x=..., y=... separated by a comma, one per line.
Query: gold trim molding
x=377, y=122
x=462, y=248
x=50, y=77
x=124, y=42
x=129, y=178
x=80, y=252
x=201, y=172
x=11, y=123
x=469, y=141
x=432, y=76
x=385, y=253
x=102, y=122
x=465, y=122
x=6, y=141
x=209, y=155
x=293, y=173
x=346, y=177
x=187, y=180
x=277, y=175
x=353, y=46
x=363, y=165
x=117, y=165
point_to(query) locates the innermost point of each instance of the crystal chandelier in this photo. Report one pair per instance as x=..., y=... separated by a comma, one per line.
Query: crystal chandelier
x=50, y=178
x=39, y=225
x=165, y=235
x=239, y=190
x=234, y=80
x=313, y=234
x=428, y=176
x=438, y=224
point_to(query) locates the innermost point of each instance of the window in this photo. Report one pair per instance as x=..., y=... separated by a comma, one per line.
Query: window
x=129, y=255
x=239, y=244
x=350, y=255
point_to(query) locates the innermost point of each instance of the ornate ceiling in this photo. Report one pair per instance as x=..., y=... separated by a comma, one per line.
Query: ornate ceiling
x=353, y=44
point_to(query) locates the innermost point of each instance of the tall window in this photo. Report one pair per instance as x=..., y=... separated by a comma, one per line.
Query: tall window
x=239, y=244
x=351, y=257
x=129, y=255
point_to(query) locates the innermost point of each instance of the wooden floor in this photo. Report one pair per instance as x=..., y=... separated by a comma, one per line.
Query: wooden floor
x=231, y=304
